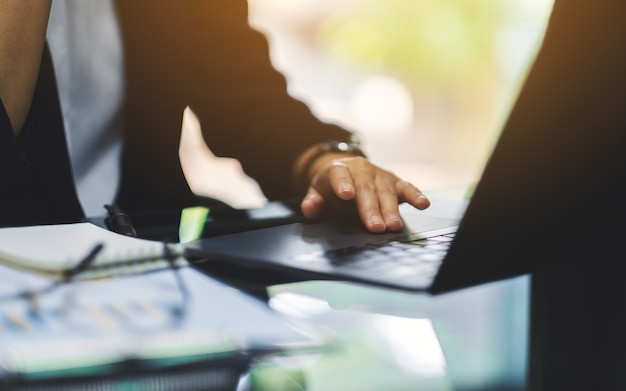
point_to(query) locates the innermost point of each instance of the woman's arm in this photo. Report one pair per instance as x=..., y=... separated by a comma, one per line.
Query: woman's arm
x=23, y=26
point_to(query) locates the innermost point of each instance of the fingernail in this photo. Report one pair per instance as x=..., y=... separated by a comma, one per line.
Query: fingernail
x=345, y=188
x=395, y=219
x=376, y=220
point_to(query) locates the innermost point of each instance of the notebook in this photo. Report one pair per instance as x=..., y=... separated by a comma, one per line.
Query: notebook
x=52, y=250
x=551, y=194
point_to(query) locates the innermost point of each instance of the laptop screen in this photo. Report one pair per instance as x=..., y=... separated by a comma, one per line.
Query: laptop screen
x=552, y=192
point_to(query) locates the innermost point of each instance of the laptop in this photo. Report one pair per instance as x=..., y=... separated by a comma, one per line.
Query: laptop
x=551, y=193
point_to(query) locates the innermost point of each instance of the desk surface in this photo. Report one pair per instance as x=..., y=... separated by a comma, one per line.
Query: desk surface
x=471, y=339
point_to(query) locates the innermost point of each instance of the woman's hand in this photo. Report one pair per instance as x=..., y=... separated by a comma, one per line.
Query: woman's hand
x=340, y=178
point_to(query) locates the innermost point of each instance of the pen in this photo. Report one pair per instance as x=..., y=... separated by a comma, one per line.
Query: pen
x=118, y=221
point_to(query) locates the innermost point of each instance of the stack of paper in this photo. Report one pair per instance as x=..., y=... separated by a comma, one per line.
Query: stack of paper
x=173, y=326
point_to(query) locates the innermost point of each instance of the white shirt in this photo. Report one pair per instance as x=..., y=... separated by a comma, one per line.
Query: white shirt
x=85, y=43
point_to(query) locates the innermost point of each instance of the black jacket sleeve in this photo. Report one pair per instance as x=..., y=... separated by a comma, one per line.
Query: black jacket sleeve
x=204, y=54
x=243, y=104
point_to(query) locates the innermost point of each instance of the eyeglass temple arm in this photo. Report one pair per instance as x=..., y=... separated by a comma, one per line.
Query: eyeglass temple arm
x=84, y=263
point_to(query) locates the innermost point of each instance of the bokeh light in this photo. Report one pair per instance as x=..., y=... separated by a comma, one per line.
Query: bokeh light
x=382, y=104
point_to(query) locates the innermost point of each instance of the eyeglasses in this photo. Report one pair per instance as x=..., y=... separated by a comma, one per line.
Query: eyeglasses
x=135, y=293
x=130, y=326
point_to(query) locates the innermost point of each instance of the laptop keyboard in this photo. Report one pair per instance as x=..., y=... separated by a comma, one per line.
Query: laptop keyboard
x=407, y=255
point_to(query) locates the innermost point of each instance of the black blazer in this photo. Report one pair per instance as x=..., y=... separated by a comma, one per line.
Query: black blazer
x=36, y=184
x=197, y=53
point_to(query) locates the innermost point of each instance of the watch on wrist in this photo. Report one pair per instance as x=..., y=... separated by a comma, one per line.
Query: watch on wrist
x=339, y=146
